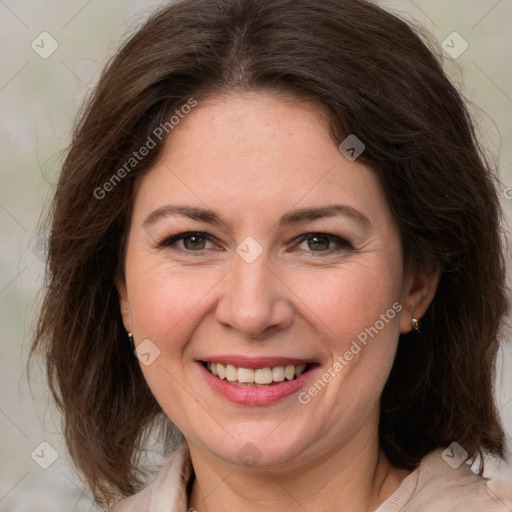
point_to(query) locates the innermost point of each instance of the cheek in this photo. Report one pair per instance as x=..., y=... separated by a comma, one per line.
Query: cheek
x=164, y=300
x=356, y=313
x=347, y=300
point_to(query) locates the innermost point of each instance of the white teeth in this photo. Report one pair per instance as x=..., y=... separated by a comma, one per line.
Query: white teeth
x=246, y=375
x=300, y=369
x=231, y=373
x=258, y=376
x=263, y=376
x=278, y=373
x=289, y=372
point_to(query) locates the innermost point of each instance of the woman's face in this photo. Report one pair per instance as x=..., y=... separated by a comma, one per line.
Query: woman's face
x=261, y=284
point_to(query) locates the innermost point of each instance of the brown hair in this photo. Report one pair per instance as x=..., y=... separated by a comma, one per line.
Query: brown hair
x=377, y=79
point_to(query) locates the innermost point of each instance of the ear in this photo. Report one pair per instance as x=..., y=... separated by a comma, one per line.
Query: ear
x=124, y=304
x=420, y=285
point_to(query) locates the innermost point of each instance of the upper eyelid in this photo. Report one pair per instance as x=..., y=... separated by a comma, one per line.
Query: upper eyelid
x=300, y=238
x=341, y=241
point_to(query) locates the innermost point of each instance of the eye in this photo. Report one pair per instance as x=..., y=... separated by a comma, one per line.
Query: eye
x=319, y=243
x=192, y=242
x=322, y=243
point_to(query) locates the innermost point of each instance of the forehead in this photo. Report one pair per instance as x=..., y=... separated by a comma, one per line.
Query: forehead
x=253, y=125
x=254, y=153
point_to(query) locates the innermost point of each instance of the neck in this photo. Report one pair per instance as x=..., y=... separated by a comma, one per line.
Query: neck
x=345, y=478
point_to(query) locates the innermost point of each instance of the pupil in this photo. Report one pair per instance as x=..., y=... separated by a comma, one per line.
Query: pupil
x=321, y=245
x=196, y=242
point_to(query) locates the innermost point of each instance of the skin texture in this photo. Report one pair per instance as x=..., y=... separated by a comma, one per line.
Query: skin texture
x=252, y=158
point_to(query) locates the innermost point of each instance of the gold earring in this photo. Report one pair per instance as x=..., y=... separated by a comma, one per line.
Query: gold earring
x=130, y=337
x=416, y=324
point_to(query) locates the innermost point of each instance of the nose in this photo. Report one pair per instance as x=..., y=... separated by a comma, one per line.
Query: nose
x=255, y=301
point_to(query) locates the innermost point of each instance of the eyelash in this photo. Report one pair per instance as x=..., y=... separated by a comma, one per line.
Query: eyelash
x=170, y=242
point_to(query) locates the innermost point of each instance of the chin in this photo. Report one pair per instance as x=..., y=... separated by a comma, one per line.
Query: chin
x=252, y=446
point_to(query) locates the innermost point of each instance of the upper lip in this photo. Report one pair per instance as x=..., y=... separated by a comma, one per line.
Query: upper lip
x=256, y=362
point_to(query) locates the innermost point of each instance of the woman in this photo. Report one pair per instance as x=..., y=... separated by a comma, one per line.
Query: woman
x=275, y=233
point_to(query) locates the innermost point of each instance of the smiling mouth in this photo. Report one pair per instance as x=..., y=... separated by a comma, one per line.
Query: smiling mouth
x=256, y=377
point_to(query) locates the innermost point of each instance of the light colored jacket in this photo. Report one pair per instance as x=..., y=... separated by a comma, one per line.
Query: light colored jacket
x=433, y=486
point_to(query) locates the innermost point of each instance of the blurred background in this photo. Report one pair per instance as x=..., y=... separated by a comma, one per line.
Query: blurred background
x=51, y=55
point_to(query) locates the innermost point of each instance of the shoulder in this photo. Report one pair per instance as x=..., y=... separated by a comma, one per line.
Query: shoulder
x=168, y=493
x=437, y=485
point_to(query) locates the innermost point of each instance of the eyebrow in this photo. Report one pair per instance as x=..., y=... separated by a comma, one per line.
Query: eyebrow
x=292, y=218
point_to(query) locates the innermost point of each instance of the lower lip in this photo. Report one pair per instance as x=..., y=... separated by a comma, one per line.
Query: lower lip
x=248, y=395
